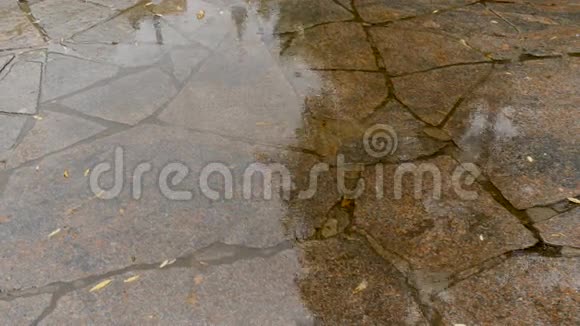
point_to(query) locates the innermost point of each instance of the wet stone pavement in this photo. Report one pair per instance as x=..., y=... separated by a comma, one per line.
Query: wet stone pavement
x=482, y=98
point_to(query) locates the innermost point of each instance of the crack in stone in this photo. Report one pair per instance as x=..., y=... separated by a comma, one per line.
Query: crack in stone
x=25, y=8
x=234, y=253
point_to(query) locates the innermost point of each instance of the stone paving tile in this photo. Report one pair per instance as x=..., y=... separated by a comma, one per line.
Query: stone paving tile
x=20, y=88
x=333, y=46
x=10, y=128
x=128, y=99
x=116, y=4
x=562, y=230
x=240, y=92
x=102, y=235
x=539, y=214
x=406, y=51
x=186, y=59
x=477, y=25
x=63, y=18
x=23, y=311
x=249, y=291
x=124, y=55
x=377, y=11
x=16, y=31
x=336, y=268
x=523, y=290
x=218, y=20
x=296, y=15
x=54, y=132
x=438, y=235
x=344, y=95
x=4, y=60
x=433, y=94
x=137, y=25
x=58, y=81
x=520, y=126
x=411, y=142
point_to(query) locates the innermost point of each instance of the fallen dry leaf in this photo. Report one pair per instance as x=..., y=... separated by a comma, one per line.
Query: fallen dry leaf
x=167, y=262
x=198, y=279
x=4, y=219
x=574, y=200
x=361, y=287
x=346, y=203
x=87, y=171
x=192, y=299
x=200, y=14
x=55, y=232
x=131, y=279
x=100, y=286
x=66, y=174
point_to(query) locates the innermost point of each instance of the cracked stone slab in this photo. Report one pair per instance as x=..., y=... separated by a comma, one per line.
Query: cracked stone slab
x=333, y=46
x=117, y=4
x=343, y=95
x=16, y=31
x=4, y=61
x=134, y=26
x=185, y=60
x=219, y=20
x=521, y=127
x=527, y=289
x=407, y=132
x=296, y=15
x=123, y=55
x=99, y=235
x=439, y=236
x=55, y=131
x=377, y=11
x=58, y=80
x=23, y=311
x=335, y=268
x=562, y=230
x=241, y=93
x=406, y=51
x=249, y=291
x=128, y=99
x=433, y=94
x=20, y=88
x=10, y=128
x=477, y=25
x=63, y=18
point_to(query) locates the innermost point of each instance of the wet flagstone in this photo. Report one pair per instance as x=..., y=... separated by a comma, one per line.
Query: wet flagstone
x=438, y=235
x=57, y=80
x=433, y=94
x=377, y=11
x=406, y=51
x=334, y=46
x=122, y=100
x=517, y=125
x=16, y=31
x=99, y=235
x=562, y=230
x=299, y=15
x=20, y=88
x=293, y=83
x=10, y=128
x=23, y=311
x=220, y=293
x=524, y=289
x=63, y=18
x=332, y=288
x=51, y=132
